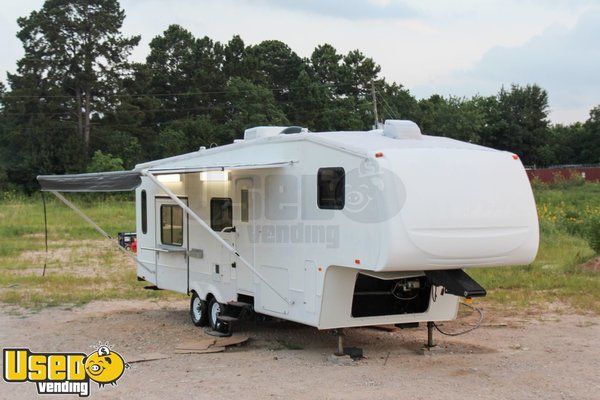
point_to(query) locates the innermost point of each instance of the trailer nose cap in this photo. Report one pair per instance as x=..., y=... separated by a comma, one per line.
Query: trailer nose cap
x=456, y=282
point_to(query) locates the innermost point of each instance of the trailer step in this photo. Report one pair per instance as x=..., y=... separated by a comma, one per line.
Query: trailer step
x=240, y=304
x=227, y=318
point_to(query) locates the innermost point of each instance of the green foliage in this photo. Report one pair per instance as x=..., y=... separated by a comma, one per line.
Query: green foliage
x=75, y=57
x=594, y=235
x=104, y=162
x=569, y=234
x=560, y=181
x=250, y=105
x=455, y=117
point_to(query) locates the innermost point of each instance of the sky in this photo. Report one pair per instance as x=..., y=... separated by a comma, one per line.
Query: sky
x=449, y=47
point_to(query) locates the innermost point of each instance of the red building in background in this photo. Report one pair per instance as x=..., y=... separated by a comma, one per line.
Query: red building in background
x=590, y=173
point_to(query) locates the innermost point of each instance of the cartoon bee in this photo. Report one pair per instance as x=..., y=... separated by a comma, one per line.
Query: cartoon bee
x=104, y=366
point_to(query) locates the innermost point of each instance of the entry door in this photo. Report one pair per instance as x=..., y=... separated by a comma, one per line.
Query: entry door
x=171, y=245
x=221, y=221
x=243, y=220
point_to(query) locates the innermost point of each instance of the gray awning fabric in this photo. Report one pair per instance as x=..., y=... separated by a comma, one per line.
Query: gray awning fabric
x=119, y=181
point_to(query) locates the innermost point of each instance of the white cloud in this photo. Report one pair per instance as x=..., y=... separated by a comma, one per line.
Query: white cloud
x=348, y=9
x=564, y=61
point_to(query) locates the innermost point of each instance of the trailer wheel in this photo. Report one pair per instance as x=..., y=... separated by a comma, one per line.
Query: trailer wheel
x=198, y=310
x=214, y=310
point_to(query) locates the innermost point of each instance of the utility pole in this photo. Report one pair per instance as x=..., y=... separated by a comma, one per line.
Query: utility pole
x=375, y=114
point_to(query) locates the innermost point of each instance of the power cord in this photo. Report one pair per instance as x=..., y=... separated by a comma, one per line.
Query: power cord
x=477, y=324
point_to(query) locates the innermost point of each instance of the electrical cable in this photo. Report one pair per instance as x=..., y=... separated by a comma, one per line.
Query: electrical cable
x=393, y=292
x=387, y=106
x=477, y=324
x=45, y=233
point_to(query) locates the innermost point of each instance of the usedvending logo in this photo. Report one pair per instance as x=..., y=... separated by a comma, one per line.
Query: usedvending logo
x=64, y=373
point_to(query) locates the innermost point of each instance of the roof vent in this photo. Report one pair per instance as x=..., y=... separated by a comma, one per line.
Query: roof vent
x=293, y=129
x=401, y=129
x=262, y=131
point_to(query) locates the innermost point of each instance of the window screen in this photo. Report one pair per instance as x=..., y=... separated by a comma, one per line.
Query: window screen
x=221, y=213
x=171, y=223
x=144, y=210
x=245, y=212
x=331, y=191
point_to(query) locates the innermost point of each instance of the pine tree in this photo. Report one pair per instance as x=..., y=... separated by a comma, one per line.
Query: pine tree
x=75, y=50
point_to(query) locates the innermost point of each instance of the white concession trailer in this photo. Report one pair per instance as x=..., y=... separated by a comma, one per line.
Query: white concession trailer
x=328, y=229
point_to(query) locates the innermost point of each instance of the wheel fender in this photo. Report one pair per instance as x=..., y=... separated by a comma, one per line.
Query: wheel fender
x=203, y=289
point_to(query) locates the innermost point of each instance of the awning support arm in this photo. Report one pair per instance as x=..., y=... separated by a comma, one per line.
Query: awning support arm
x=96, y=227
x=81, y=214
x=204, y=225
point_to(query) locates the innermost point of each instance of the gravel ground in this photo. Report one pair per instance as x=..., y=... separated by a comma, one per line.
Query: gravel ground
x=550, y=355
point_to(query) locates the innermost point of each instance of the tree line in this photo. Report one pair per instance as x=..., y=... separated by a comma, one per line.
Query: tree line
x=77, y=104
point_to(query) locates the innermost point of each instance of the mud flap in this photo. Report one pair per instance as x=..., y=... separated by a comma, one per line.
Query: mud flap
x=456, y=282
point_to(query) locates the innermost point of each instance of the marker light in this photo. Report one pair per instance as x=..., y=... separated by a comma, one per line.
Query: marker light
x=170, y=178
x=516, y=157
x=378, y=155
x=214, y=176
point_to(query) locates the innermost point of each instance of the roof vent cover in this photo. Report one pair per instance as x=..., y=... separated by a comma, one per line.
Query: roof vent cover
x=401, y=129
x=293, y=129
x=262, y=132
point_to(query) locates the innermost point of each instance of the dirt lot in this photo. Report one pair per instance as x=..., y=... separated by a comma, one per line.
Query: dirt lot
x=550, y=355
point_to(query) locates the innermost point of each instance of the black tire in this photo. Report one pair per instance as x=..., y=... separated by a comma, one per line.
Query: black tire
x=214, y=310
x=198, y=310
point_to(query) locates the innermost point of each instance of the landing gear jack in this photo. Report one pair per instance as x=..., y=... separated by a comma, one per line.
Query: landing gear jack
x=354, y=353
x=430, y=347
x=340, y=342
x=430, y=342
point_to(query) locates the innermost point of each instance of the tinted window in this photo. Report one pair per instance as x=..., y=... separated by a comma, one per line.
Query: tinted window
x=171, y=224
x=331, y=190
x=221, y=213
x=245, y=206
x=144, y=210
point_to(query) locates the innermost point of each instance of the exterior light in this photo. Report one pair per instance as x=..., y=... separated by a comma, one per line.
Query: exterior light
x=170, y=178
x=214, y=176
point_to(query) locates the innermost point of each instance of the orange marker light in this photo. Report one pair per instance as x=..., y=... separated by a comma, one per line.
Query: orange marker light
x=378, y=155
x=516, y=157
x=357, y=261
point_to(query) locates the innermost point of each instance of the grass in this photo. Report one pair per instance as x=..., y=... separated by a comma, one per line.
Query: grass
x=83, y=267
x=568, y=216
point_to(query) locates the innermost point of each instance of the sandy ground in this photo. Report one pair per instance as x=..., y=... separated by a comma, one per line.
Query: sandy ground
x=550, y=356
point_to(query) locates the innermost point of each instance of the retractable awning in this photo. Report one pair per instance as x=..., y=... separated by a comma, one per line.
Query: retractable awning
x=129, y=180
x=121, y=181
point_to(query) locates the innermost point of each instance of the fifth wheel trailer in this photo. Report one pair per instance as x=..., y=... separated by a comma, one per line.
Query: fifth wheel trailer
x=328, y=229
